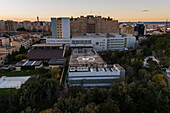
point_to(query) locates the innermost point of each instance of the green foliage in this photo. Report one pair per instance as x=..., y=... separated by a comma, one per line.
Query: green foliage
x=19, y=73
x=144, y=91
x=17, y=55
x=20, y=57
x=96, y=95
x=39, y=93
x=29, y=110
x=159, y=79
x=21, y=29
x=55, y=73
x=42, y=71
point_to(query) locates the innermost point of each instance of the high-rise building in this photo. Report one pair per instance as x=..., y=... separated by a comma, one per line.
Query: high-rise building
x=140, y=28
x=27, y=25
x=11, y=25
x=54, y=27
x=60, y=27
x=93, y=24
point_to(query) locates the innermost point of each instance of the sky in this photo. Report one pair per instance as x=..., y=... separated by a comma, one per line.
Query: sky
x=122, y=10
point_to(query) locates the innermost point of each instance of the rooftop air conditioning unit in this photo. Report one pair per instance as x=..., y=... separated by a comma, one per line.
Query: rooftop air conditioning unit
x=72, y=69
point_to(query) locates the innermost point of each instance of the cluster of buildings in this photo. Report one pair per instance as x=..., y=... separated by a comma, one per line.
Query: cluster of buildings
x=13, y=26
x=8, y=25
x=100, y=41
x=84, y=36
x=37, y=26
x=146, y=28
x=13, y=43
x=136, y=29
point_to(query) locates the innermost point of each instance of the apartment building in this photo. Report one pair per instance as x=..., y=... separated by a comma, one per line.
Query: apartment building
x=93, y=24
x=4, y=41
x=8, y=25
x=60, y=27
x=11, y=25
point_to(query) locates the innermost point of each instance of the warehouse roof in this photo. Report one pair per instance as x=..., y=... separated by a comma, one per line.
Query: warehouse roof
x=28, y=63
x=45, y=53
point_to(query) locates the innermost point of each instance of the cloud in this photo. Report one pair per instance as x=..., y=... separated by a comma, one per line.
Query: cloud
x=145, y=10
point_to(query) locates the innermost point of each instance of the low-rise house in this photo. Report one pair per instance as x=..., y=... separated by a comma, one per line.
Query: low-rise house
x=7, y=50
x=2, y=59
x=4, y=41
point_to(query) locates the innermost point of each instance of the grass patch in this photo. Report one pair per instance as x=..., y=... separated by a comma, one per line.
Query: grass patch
x=19, y=73
x=8, y=91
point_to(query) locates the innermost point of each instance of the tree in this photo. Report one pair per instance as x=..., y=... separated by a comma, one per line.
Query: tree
x=96, y=95
x=20, y=57
x=21, y=29
x=109, y=107
x=66, y=105
x=55, y=73
x=144, y=75
x=42, y=71
x=29, y=110
x=46, y=111
x=90, y=108
x=159, y=79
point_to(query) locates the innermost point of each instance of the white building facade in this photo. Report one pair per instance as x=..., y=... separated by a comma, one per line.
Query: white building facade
x=100, y=42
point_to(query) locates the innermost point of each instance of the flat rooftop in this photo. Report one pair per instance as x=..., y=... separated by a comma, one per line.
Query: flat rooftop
x=45, y=54
x=47, y=45
x=28, y=63
x=103, y=35
x=12, y=82
x=87, y=69
x=86, y=57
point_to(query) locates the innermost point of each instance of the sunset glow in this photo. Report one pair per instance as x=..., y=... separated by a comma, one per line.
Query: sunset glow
x=123, y=10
